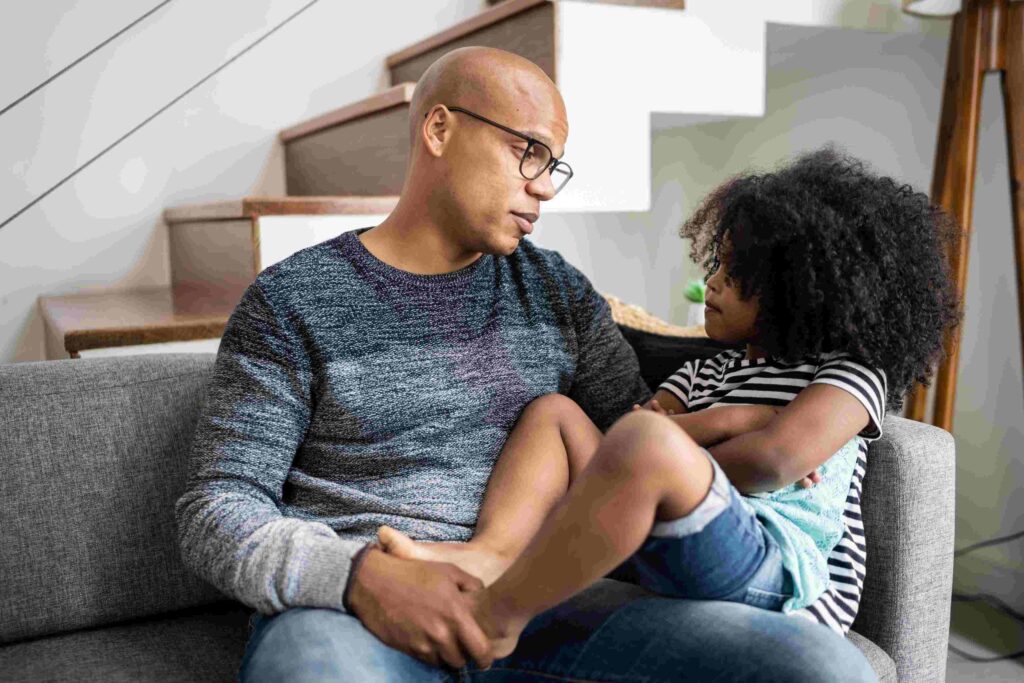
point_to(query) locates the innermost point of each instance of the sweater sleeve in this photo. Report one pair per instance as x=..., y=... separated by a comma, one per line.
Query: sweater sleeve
x=230, y=529
x=607, y=381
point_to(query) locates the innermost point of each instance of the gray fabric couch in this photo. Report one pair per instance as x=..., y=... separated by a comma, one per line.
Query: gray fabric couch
x=95, y=452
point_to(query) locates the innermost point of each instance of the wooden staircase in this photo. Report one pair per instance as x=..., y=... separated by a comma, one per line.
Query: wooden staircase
x=345, y=168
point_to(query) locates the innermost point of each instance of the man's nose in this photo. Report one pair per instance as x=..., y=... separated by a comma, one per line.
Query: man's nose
x=541, y=187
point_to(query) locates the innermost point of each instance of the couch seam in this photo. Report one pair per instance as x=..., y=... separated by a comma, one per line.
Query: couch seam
x=115, y=386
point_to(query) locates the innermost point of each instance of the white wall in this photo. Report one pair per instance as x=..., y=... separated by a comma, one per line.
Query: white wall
x=102, y=229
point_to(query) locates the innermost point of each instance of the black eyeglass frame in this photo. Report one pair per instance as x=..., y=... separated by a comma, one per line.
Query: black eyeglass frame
x=531, y=141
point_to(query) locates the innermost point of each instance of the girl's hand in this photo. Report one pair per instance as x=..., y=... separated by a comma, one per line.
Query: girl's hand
x=655, y=407
x=810, y=480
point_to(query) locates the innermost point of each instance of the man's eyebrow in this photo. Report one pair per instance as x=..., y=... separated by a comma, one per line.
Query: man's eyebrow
x=541, y=137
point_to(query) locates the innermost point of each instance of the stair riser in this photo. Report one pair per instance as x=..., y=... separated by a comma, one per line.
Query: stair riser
x=228, y=254
x=214, y=252
x=530, y=34
x=364, y=156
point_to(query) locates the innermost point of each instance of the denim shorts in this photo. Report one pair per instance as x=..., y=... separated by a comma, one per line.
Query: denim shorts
x=720, y=551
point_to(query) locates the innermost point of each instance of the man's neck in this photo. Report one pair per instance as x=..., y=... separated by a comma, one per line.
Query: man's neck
x=415, y=245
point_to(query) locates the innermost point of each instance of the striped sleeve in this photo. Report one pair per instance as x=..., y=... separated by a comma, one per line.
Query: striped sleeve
x=679, y=383
x=867, y=384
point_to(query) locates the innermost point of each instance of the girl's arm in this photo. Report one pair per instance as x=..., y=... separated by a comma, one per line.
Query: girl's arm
x=712, y=425
x=804, y=434
x=668, y=401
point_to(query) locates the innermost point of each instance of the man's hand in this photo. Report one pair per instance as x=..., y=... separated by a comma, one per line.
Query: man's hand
x=421, y=608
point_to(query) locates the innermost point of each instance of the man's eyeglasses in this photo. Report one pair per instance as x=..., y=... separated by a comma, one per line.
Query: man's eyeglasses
x=537, y=157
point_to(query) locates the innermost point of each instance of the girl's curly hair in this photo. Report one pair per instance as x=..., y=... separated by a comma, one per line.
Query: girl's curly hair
x=842, y=260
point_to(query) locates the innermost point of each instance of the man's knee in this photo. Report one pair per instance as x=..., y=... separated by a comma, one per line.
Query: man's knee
x=314, y=644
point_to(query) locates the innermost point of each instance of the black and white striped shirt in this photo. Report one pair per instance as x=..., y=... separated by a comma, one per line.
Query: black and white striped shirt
x=731, y=378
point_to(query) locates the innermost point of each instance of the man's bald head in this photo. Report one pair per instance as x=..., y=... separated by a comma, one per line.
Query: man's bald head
x=465, y=177
x=486, y=80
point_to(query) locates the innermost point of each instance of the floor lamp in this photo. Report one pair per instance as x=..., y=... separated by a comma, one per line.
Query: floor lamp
x=986, y=37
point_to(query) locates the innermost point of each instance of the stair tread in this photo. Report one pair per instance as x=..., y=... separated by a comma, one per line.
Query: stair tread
x=189, y=312
x=247, y=207
x=140, y=316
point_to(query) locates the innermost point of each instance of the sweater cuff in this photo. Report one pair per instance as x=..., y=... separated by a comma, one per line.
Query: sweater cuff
x=357, y=561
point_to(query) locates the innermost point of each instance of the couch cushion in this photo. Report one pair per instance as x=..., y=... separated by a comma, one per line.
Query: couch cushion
x=660, y=355
x=200, y=644
x=95, y=452
x=882, y=663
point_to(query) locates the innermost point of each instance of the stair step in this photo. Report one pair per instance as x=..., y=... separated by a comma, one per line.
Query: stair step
x=671, y=67
x=82, y=322
x=358, y=149
x=525, y=27
x=226, y=244
x=662, y=66
x=670, y=4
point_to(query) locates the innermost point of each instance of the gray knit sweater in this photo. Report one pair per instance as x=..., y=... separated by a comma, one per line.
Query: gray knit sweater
x=348, y=394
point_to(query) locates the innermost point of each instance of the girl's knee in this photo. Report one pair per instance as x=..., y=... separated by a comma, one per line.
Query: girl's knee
x=648, y=443
x=552, y=406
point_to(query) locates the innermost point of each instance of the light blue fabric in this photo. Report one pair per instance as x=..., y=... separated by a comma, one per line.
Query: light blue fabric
x=807, y=523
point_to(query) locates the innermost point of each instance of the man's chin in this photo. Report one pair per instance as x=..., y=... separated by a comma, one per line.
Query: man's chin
x=505, y=247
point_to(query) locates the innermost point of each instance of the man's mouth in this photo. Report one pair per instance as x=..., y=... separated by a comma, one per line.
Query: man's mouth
x=525, y=221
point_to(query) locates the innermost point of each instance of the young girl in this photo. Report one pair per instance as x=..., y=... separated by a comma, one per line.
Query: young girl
x=836, y=283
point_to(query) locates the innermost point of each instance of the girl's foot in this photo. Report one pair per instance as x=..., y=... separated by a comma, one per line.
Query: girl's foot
x=483, y=563
x=503, y=631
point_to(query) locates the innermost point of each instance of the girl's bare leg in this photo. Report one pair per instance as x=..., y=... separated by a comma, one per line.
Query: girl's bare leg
x=548, y=448
x=645, y=469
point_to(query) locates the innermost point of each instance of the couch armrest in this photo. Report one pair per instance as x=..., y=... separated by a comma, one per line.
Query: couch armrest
x=908, y=508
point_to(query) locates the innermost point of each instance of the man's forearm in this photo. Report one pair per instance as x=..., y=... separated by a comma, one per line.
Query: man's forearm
x=253, y=554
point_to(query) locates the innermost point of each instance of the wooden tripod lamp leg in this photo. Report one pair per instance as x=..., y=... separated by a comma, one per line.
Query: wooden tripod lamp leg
x=1013, y=101
x=953, y=180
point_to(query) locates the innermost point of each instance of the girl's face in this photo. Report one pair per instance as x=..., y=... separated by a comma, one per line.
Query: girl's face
x=727, y=317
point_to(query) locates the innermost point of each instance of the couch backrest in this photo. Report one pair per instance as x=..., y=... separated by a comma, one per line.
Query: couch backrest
x=94, y=453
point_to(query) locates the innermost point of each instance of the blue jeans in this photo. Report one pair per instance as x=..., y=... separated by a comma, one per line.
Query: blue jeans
x=722, y=623
x=613, y=631
x=720, y=551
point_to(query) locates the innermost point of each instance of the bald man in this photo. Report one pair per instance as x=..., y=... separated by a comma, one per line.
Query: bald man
x=373, y=379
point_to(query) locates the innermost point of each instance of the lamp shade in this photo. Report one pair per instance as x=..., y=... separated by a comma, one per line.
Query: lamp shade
x=932, y=8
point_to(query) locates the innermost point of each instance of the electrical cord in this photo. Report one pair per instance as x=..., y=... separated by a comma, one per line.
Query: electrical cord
x=995, y=603
x=991, y=600
x=985, y=544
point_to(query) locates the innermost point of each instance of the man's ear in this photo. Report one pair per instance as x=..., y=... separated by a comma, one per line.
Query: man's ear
x=436, y=129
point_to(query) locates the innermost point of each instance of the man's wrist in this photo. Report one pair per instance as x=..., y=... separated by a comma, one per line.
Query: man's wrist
x=357, y=562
